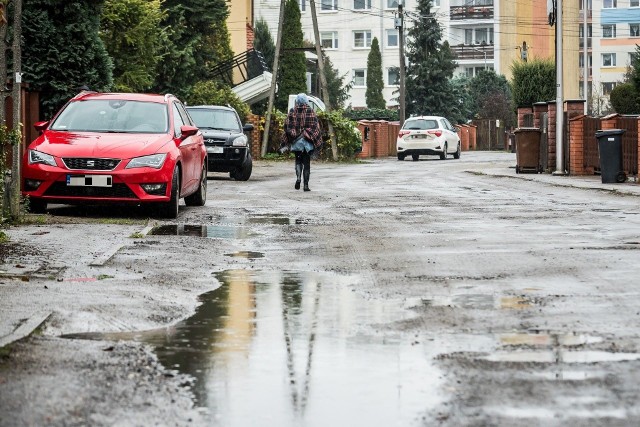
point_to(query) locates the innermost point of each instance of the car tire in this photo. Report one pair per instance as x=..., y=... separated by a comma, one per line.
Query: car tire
x=243, y=173
x=199, y=198
x=401, y=157
x=443, y=155
x=170, y=209
x=37, y=206
x=415, y=157
x=456, y=155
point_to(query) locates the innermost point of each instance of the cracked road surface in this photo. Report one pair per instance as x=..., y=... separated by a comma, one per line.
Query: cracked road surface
x=394, y=293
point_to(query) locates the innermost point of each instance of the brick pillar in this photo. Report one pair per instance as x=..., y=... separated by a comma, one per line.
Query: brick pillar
x=574, y=108
x=576, y=146
x=521, y=113
x=255, y=136
x=367, y=139
x=609, y=122
x=463, y=133
x=473, y=131
x=539, y=108
x=551, y=135
x=381, y=141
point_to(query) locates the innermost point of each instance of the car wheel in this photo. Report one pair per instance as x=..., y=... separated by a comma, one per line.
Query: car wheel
x=199, y=198
x=401, y=157
x=37, y=206
x=456, y=155
x=169, y=209
x=244, y=172
x=415, y=157
x=443, y=155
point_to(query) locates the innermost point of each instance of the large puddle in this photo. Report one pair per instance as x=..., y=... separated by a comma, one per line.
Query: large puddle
x=291, y=348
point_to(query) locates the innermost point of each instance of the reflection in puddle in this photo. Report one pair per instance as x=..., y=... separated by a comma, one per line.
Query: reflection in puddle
x=562, y=356
x=212, y=231
x=290, y=349
x=270, y=219
x=568, y=340
x=246, y=255
x=478, y=302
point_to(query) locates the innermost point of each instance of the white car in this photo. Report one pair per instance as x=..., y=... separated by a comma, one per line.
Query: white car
x=424, y=135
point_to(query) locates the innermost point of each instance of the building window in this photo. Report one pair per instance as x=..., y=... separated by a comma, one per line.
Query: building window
x=361, y=39
x=634, y=3
x=581, y=61
x=329, y=39
x=329, y=5
x=468, y=71
x=581, y=30
x=361, y=4
x=608, y=31
x=608, y=87
x=609, y=4
x=634, y=30
x=392, y=4
x=484, y=36
x=393, y=76
x=359, y=77
x=303, y=5
x=392, y=38
x=608, y=59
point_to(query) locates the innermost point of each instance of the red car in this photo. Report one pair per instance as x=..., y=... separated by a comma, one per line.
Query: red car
x=117, y=148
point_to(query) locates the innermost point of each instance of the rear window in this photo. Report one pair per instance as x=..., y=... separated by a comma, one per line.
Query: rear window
x=420, y=124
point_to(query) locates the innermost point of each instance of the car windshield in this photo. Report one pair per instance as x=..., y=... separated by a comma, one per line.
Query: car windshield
x=207, y=118
x=117, y=116
x=420, y=124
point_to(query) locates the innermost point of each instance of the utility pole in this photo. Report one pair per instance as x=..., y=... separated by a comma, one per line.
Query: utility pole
x=559, y=95
x=323, y=78
x=274, y=77
x=16, y=94
x=585, y=57
x=400, y=26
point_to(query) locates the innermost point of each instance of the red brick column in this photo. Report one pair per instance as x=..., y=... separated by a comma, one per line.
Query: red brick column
x=473, y=131
x=574, y=108
x=521, y=113
x=367, y=144
x=551, y=135
x=609, y=122
x=539, y=108
x=576, y=146
x=255, y=136
x=381, y=140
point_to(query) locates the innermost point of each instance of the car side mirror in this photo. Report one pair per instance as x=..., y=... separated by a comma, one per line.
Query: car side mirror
x=188, y=131
x=248, y=127
x=41, y=126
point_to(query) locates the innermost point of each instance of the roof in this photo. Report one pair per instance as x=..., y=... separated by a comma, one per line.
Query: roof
x=210, y=107
x=147, y=97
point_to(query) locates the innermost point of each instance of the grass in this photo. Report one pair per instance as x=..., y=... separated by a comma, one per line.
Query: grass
x=105, y=276
x=136, y=235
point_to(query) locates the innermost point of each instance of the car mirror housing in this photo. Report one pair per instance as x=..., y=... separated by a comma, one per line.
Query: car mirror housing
x=248, y=127
x=188, y=131
x=41, y=126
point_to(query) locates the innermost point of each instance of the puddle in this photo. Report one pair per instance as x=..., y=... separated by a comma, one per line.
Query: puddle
x=291, y=349
x=568, y=340
x=568, y=375
x=270, y=219
x=246, y=255
x=211, y=231
x=562, y=356
x=479, y=302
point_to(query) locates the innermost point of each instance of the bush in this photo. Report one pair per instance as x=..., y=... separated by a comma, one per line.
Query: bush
x=533, y=81
x=347, y=133
x=210, y=93
x=372, y=114
x=624, y=99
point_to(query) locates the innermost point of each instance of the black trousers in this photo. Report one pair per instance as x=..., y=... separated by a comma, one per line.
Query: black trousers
x=303, y=163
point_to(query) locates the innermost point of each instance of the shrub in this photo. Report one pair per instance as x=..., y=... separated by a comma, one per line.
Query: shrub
x=210, y=93
x=624, y=99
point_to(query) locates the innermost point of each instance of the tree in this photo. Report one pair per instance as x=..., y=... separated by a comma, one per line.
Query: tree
x=62, y=50
x=462, y=99
x=624, y=99
x=492, y=98
x=431, y=65
x=338, y=89
x=533, y=81
x=133, y=36
x=292, y=76
x=263, y=42
x=197, y=39
x=212, y=93
x=373, y=95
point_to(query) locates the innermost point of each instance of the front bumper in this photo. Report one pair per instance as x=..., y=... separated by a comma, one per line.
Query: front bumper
x=228, y=160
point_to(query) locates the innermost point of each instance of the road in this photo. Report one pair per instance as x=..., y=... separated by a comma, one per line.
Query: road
x=394, y=293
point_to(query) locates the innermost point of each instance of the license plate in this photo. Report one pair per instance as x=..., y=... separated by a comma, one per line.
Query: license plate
x=419, y=136
x=215, y=150
x=89, y=180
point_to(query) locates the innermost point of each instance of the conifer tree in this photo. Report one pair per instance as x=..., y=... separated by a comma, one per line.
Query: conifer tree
x=263, y=41
x=431, y=66
x=292, y=77
x=373, y=95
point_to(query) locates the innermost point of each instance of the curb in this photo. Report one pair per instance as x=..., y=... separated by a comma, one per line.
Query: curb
x=25, y=328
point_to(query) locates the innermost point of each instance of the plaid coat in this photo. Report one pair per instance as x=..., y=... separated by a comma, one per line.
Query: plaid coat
x=301, y=120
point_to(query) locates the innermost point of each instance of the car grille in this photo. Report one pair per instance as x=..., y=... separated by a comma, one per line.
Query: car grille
x=61, y=189
x=82, y=163
x=214, y=141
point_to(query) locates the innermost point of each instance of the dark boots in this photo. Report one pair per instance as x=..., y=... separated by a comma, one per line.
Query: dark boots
x=298, y=173
x=307, y=173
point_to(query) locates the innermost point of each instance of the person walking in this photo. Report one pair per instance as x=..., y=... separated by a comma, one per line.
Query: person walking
x=302, y=136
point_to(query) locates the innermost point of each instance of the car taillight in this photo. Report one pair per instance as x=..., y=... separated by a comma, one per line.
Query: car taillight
x=403, y=133
x=435, y=132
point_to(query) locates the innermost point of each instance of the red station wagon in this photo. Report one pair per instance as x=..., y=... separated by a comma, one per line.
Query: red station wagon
x=117, y=148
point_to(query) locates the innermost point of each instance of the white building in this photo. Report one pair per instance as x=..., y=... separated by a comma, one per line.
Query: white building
x=347, y=28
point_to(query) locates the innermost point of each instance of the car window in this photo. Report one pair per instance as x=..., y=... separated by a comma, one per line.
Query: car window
x=449, y=126
x=208, y=118
x=119, y=116
x=183, y=113
x=177, y=121
x=420, y=124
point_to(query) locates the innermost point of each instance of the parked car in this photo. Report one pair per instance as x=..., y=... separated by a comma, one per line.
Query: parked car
x=427, y=135
x=117, y=148
x=227, y=145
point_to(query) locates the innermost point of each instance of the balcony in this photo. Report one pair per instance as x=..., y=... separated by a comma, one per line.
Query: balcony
x=458, y=13
x=462, y=51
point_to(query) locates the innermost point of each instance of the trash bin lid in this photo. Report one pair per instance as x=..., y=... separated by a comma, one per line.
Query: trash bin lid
x=609, y=132
x=518, y=130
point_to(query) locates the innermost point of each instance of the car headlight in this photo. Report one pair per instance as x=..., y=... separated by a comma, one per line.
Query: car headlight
x=240, y=141
x=40, y=157
x=153, y=161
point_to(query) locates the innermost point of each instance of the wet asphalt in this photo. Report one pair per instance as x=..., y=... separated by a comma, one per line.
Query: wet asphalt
x=394, y=293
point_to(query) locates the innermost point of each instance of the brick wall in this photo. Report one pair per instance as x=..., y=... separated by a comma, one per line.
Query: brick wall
x=255, y=136
x=576, y=146
x=367, y=143
x=381, y=139
x=473, y=131
x=522, y=111
x=250, y=36
x=609, y=122
x=539, y=108
x=463, y=132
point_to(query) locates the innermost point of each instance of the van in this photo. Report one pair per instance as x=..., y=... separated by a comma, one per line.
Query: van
x=315, y=103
